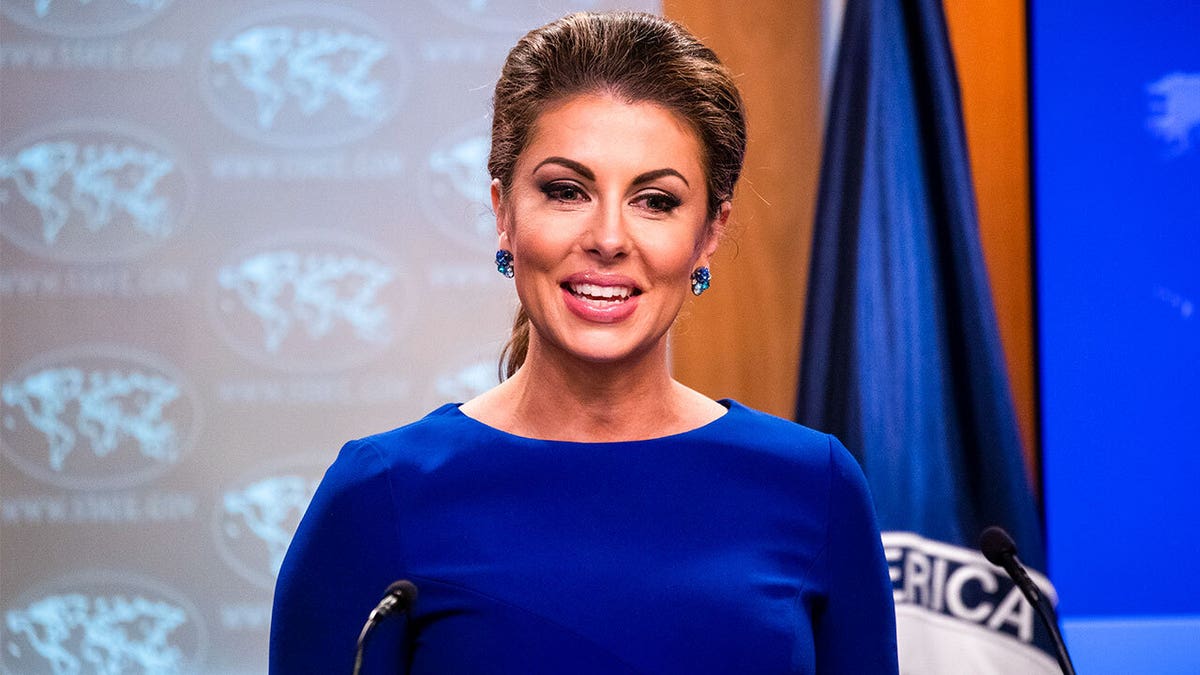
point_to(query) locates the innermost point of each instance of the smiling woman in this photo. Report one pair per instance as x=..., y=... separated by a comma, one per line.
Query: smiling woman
x=590, y=513
x=606, y=218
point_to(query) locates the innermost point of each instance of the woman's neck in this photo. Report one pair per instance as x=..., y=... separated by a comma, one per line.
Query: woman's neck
x=556, y=397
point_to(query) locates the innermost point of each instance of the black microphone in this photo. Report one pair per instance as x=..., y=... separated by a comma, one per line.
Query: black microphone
x=399, y=597
x=1000, y=550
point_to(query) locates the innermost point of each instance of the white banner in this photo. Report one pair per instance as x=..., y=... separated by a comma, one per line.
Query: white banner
x=957, y=613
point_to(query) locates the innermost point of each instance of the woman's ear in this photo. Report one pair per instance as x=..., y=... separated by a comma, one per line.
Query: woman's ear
x=714, y=232
x=499, y=207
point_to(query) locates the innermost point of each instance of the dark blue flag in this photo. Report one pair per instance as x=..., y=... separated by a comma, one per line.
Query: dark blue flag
x=901, y=354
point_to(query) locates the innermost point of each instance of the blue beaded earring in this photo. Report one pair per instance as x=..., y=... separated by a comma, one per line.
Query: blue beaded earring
x=504, y=260
x=701, y=279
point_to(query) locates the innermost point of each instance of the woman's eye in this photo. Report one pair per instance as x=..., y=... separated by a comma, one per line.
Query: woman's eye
x=563, y=192
x=659, y=202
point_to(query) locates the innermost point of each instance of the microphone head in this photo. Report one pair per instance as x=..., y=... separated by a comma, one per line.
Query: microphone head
x=405, y=593
x=997, y=545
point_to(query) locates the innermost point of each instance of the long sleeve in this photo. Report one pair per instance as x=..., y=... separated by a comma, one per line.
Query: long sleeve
x=344, y=555
x=747, y=545
x=855, y=631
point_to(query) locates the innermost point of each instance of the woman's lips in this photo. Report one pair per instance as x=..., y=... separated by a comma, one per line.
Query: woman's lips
x=600, y=303
x=600, y=292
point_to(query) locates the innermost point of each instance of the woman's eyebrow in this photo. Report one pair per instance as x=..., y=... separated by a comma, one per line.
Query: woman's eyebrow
x=659, y=173
x=568, y=163
x=587, y=173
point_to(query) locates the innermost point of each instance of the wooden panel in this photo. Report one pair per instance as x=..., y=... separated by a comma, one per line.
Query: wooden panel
x=742, y=338
x=988, y=39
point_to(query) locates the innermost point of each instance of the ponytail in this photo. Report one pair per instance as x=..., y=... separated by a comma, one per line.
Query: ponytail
x=514, y=353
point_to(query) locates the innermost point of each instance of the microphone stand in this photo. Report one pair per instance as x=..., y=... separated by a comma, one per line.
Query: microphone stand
x=399, y=597
x=999, y=548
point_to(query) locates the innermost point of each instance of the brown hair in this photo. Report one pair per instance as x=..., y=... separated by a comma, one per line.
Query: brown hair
x=636, y=57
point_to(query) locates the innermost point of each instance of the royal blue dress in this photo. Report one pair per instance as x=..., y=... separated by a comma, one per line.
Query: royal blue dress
x=748, y=545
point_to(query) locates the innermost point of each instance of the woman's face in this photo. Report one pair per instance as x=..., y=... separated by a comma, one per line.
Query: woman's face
x=606, y=219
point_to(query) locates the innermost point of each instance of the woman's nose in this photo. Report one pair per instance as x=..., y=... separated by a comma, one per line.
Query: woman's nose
x=608, y=234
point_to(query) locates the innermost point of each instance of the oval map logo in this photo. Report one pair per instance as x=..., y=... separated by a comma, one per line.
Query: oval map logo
x=513, y=16
x=257, y=515
x=468, y=380
x=91, y=191
x=83, y=18
x=456, y=187
x=1175, y=111
x=309, y=301
x=97, y=417
x=102, y=622
x=304, y=75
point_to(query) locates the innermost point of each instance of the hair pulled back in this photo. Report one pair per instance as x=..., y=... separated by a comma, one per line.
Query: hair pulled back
x=635, y=57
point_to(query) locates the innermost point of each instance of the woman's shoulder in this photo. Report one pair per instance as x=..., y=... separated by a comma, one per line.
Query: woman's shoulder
x=436, y=422
x=421, y=439
x=763, y=433
x=810, y=453
x=746, y=424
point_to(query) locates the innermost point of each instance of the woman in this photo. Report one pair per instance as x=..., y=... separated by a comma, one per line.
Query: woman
x=591, y=514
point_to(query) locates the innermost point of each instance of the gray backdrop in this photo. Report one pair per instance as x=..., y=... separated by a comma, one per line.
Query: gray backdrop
x=232, y=236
